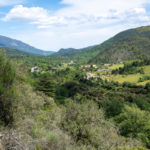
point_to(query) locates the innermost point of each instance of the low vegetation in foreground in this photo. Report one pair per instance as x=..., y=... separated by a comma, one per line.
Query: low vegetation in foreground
x=51, y=105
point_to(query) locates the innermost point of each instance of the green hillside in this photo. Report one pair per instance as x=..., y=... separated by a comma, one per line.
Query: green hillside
x=67, y=52
x=83, y=55
x=127, y=45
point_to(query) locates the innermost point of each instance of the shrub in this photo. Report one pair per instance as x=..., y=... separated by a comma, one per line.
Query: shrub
x=112, y=107
x=135, y=123
x=86, y=124
x=46, y=85
x=144, y=78
x=7, y=91
x=142, y=103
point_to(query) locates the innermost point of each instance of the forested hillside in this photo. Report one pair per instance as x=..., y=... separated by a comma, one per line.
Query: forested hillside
x=83, y=55
x=127, y=45
x=67, y=52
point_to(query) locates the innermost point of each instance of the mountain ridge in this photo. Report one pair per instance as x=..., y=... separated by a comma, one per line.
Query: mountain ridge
x=127, y=45
x=21, y=46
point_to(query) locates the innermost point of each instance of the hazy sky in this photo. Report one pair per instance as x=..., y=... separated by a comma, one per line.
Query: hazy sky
x=55, y=24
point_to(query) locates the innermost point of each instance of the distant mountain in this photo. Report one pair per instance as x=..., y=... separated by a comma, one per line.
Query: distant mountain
x=18, y=45
x=127, y=45
x=68, y=52
x=83, y=54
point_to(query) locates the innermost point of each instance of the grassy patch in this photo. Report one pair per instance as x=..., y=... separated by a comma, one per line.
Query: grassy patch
x=128, y=78
x=143, y=83
x=147, y=70
x=116, y=66
x=133, y=78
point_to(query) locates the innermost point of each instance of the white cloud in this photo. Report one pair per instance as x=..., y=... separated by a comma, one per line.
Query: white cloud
x=29, y=14
x=34, y=15
x=85, y=12
x=99, y=8
x=81, y=22
x=140, y=10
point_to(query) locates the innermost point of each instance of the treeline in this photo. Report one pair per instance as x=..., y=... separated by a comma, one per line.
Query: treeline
x=132, y=67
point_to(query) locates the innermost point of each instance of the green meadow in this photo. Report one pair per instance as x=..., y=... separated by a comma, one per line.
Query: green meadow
x=116, y=66
x=133, y=78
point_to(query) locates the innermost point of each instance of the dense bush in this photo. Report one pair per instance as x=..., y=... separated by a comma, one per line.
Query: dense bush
x=134, y=122
x=7, y=91
x=35, y=124
x=86, y=124
x=144, y=78
x=46, y=85
x=112, y=107
x=142, y=103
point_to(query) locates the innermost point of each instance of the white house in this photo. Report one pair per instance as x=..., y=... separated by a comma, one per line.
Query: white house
x=35, y=69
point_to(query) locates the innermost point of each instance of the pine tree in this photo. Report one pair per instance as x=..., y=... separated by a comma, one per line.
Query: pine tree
x=46, y=85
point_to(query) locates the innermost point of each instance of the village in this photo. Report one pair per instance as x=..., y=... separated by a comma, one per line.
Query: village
x=92, y=70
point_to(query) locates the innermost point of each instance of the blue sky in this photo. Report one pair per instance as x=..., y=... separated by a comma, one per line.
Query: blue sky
x=55, y=24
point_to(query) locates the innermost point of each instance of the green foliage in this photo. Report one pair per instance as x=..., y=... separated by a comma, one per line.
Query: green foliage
x=132, y=68
x=46, y=85
x=86, y=124
x=134, y=122
x=80, y=55
x=61, y=94
x=7, y=77
x=142, y=103
x=147, y=86
x=144, y=78
x=129, y=85
x=112, y=107
x=139, y=148
x=128, y=45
